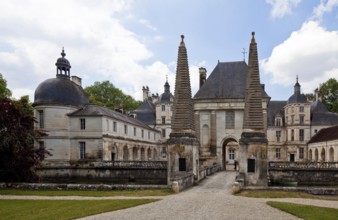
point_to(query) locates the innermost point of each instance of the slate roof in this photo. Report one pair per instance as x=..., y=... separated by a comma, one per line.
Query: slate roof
x=275, y=107
x=297, y=98
x=325, y=134
x=227, y=80
x=95, y=110
x=321, y=116
x=146, y=112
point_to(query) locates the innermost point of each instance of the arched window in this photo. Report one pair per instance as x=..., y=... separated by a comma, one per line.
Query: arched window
x=149, y=154
x=331, y=154
x=310, y=154
x=135, y=153
x=125, y=153
x=322, y=155
x=143, y=155
x=316, y=155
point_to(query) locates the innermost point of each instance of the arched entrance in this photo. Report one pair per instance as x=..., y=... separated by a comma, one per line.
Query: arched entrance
x=230, y=154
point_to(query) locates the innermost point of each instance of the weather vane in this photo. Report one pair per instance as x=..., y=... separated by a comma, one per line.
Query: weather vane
x=244, y=52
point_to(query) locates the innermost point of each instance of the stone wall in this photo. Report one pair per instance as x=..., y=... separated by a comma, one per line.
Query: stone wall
x=147, y=172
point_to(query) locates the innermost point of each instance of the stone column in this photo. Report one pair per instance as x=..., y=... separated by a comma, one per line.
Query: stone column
x=213, y=134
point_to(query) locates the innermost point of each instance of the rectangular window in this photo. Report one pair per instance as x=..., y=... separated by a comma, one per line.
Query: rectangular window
x=142, y=133
x=114, y=126
x=41, y=117
x=42, y=148
x=82, y=123
x=163, y=133
x=230, y=120
x=278, y=134
x=301, y=108
x=125, y=129
x=134, y=131
x=277, y=152
x=107, y=121
x=278, y=122
x=182, y=164
x=148, y=134
x=301, y=119
x=231, y=154
x=292, y=119
x=301, y=153
x=82, y=150
x=251, y=165
x=301, y=134
x=163, y=108
x=286, y=120
x=292, y=135
x=163, y=120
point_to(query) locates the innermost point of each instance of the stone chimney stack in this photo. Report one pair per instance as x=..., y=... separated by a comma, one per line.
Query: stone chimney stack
x=203, y=75
x=145, y=90
x=77, y=80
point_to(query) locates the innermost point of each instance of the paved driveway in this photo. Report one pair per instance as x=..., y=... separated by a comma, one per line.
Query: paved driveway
x=211, y=199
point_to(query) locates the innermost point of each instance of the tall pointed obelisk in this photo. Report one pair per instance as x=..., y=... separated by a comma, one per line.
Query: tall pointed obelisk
x=183, y=146
x=253, y=142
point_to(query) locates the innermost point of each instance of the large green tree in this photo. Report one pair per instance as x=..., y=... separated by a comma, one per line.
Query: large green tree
x=107, y=95
x=328, y=91
x=18, y=155
x=4, y=91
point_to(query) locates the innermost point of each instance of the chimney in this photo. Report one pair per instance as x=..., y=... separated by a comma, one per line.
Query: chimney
x=145, y=90
x=77, y=80
x=203, y=75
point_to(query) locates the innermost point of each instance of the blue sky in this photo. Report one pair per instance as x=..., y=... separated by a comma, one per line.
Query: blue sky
x=135, y=43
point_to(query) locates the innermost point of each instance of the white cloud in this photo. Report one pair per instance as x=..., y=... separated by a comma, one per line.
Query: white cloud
x=97, y=45
x=323, y=7
x=147, y=24
x=280, y=8
x=311, y=53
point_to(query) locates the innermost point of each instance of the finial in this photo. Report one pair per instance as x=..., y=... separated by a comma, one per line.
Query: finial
x=182, y=37
x=297, y=78
x=244, y=52
x=166, y=77
x=253, y=34
x=63, y=54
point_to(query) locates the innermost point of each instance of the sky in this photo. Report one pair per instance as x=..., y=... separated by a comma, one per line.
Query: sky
x=134, y=43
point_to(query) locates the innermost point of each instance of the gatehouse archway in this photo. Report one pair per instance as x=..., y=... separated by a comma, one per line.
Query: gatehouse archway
x=230, y=149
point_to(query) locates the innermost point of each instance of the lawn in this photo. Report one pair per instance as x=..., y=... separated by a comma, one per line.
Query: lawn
x=62, y=209
x=94, y=193
x=306, y=212
x=278, y=194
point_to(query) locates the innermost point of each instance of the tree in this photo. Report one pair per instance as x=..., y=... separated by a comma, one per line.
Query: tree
x=4, y=91
x=328, y=91
x=18, y=156
x=107, y=95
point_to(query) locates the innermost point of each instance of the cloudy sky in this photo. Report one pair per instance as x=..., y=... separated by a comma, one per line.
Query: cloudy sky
x=135, y=43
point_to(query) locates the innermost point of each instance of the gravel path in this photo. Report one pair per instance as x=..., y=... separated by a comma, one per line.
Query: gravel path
x=211, y=199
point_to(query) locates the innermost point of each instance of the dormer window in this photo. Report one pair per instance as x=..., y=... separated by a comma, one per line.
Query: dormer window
x=278, y=122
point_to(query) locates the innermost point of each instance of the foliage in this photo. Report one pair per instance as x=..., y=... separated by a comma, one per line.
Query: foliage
x=93, y=193
x=307, y=212
x=107, y=95
x=4, y=91
x=63, y=209
x=310, y=96
x=328, y=91
x=18, y=155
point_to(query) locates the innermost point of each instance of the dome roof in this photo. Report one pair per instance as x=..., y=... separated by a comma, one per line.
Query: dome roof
x=166, y=96
x=297, y=97
x=59, y=91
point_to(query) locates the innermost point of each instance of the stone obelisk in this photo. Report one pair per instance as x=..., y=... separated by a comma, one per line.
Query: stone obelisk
x=253, y=142
x=183, y=146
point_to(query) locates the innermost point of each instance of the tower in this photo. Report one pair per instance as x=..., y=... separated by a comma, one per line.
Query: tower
x=183, y=146
x=253, y=142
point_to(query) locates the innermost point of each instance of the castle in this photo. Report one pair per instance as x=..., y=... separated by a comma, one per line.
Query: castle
x=223, y=109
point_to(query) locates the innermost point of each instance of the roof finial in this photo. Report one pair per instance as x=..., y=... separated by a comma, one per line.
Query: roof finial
x=166, y=77
x=253, y=34
x=63, y=54
x=244, y=52
x=182, y=37
x=297, y=78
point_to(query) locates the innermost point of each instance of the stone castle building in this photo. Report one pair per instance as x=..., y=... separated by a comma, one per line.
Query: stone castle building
x=78, y=130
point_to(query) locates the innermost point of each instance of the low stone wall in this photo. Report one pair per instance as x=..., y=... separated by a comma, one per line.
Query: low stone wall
x=312, y=190
x=137, y=172
x=303, y=173
x=56, y=186
x=183, y=181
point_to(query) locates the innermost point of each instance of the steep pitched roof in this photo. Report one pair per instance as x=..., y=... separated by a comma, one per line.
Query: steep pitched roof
x=146, y=112
x=275, y=107
x=226, y=81
x=325, y=134
x=95, y=110
x=321, y=116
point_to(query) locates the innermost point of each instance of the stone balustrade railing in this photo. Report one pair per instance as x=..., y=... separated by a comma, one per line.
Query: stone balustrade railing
x=303, y=165
x=132, y=164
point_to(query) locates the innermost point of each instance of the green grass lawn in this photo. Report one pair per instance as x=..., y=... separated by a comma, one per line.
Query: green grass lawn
x=94, y=193
x=278, y=194
x=62, y=209
x=306, y=212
